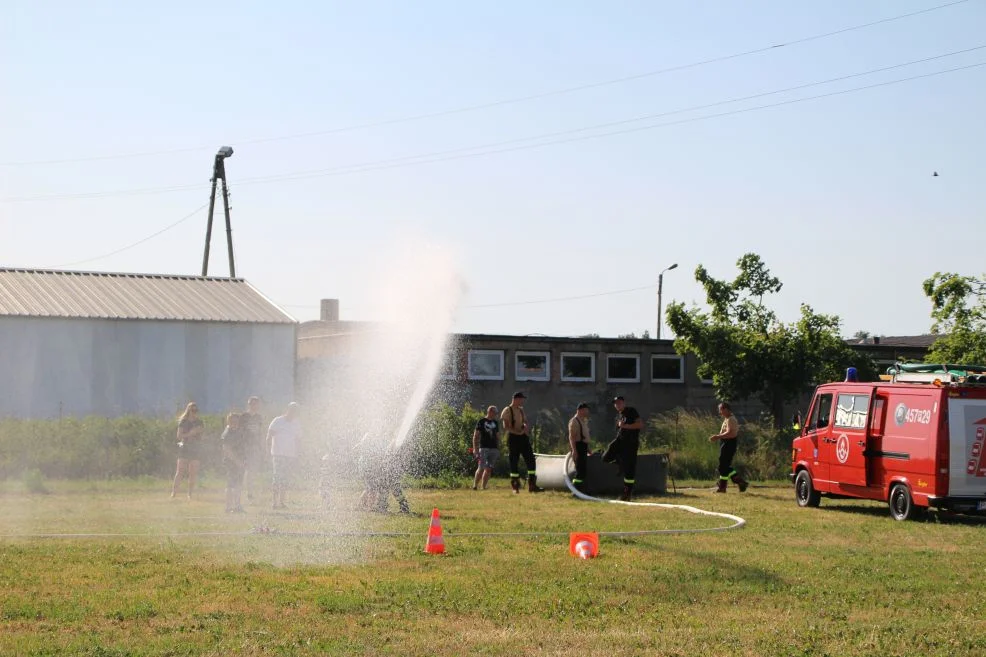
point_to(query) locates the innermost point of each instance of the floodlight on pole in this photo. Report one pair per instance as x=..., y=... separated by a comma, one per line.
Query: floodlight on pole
x=660, y=289
x=219, y=173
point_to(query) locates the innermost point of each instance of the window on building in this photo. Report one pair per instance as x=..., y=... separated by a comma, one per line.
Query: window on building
x=449, y=360
x=622, y=368
x=533, y=366
x=485, y=365
x=667, y=368
x=578, y=366
x=851, y=411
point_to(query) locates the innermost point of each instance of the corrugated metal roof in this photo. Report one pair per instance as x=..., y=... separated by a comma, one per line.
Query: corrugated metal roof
x=99, y=295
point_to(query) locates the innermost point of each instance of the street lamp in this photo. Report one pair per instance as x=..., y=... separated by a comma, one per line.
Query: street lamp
x=219, y=173
x=660, y=286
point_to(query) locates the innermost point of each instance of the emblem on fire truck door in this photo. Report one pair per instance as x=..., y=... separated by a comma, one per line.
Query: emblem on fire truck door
x=842, y=449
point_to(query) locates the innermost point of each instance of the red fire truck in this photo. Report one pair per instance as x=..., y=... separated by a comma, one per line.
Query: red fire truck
x=916, y=439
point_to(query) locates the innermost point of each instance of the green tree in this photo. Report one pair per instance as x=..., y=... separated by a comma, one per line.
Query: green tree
x=958, y=308
x=747, y=352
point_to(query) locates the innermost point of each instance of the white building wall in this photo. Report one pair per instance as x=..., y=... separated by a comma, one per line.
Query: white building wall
x=52, y=366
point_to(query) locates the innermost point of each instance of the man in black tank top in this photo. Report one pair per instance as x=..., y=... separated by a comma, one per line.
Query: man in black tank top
x=623, y=450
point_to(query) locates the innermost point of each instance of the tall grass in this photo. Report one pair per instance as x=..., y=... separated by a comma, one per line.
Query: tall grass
x=134, y=446
x=763, y=453
x=98, y=447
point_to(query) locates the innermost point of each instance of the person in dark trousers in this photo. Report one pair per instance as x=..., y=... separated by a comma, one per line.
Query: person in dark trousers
x=578, y=440
x=234, y=458
x=623, y=450
x=519, y=444
x=255, y=437
x=727, y=450
x=486, y=447
x=386, y=479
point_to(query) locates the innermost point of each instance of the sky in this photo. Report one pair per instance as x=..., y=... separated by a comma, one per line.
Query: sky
x=365, y=129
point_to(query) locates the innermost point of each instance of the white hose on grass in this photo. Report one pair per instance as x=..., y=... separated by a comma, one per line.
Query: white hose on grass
x=737, y=521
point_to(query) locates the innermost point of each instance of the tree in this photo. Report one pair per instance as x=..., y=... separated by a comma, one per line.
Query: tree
x=958, y=308
x=747, y=352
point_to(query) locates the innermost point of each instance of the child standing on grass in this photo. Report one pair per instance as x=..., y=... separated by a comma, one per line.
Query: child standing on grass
x=234, y=458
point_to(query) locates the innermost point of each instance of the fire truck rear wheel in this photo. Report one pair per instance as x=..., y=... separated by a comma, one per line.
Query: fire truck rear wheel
x=901, y=503
x=804, y=490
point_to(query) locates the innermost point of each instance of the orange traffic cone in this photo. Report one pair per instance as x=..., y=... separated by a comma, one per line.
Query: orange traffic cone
x=435, y=544
x=584, y=545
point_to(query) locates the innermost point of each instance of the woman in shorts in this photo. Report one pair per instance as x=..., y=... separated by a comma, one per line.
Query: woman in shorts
x=190, y=430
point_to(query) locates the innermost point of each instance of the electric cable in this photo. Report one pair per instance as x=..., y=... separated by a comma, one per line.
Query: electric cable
x=507, y=101
x=492, y=148
x=137, y=243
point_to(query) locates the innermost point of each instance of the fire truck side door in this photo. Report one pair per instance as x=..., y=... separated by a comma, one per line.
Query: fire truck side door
x=817, y=431
x=849, y=438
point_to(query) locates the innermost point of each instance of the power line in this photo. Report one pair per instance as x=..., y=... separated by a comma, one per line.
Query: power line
x=502, y=102
x=456, y=154
x=137, y=243
x=618, y=132
x=356, y=168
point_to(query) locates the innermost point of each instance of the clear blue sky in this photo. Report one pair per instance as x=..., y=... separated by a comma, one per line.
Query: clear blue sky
x=836, y=194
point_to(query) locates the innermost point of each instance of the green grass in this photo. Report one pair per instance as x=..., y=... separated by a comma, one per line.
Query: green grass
x=187, y=579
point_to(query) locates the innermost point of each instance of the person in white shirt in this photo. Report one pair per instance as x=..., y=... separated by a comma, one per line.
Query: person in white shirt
x=282, y=443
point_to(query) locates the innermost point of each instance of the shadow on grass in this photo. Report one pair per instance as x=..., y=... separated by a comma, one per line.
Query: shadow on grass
x=705, y=561
x=924, y=516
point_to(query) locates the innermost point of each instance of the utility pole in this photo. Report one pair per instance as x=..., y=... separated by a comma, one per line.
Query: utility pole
x=219, y=173
x=660, y=286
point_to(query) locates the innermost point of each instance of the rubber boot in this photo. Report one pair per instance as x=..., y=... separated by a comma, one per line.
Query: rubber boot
x=721, y=486
x=515, y=484
x=532, y=484
x=627, y=493
x=740, y=482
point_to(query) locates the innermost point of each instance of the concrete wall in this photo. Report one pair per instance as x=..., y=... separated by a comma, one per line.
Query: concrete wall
x=75, y=367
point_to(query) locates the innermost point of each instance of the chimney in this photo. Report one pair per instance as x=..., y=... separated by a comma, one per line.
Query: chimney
x=329, y=310
x=876, y=338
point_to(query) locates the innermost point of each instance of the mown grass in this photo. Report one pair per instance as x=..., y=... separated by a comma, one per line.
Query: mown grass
x=189, y=580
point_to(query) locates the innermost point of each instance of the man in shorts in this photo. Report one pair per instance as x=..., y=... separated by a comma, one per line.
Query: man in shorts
x=486, y=447
x=282, y=444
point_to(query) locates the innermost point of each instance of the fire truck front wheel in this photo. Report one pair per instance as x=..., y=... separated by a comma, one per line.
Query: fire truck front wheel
x=902, y=505
x=804, y=490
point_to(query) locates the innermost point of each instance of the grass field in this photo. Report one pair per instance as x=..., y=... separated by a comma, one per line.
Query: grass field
x=179, y=577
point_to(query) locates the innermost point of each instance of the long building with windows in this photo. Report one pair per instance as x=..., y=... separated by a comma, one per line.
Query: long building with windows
x=559, y=372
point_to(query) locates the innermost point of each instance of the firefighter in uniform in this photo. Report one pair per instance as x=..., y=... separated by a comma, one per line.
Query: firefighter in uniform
x=519, y=444
x=727, y=450
x=578, y=440
x=623, y=450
